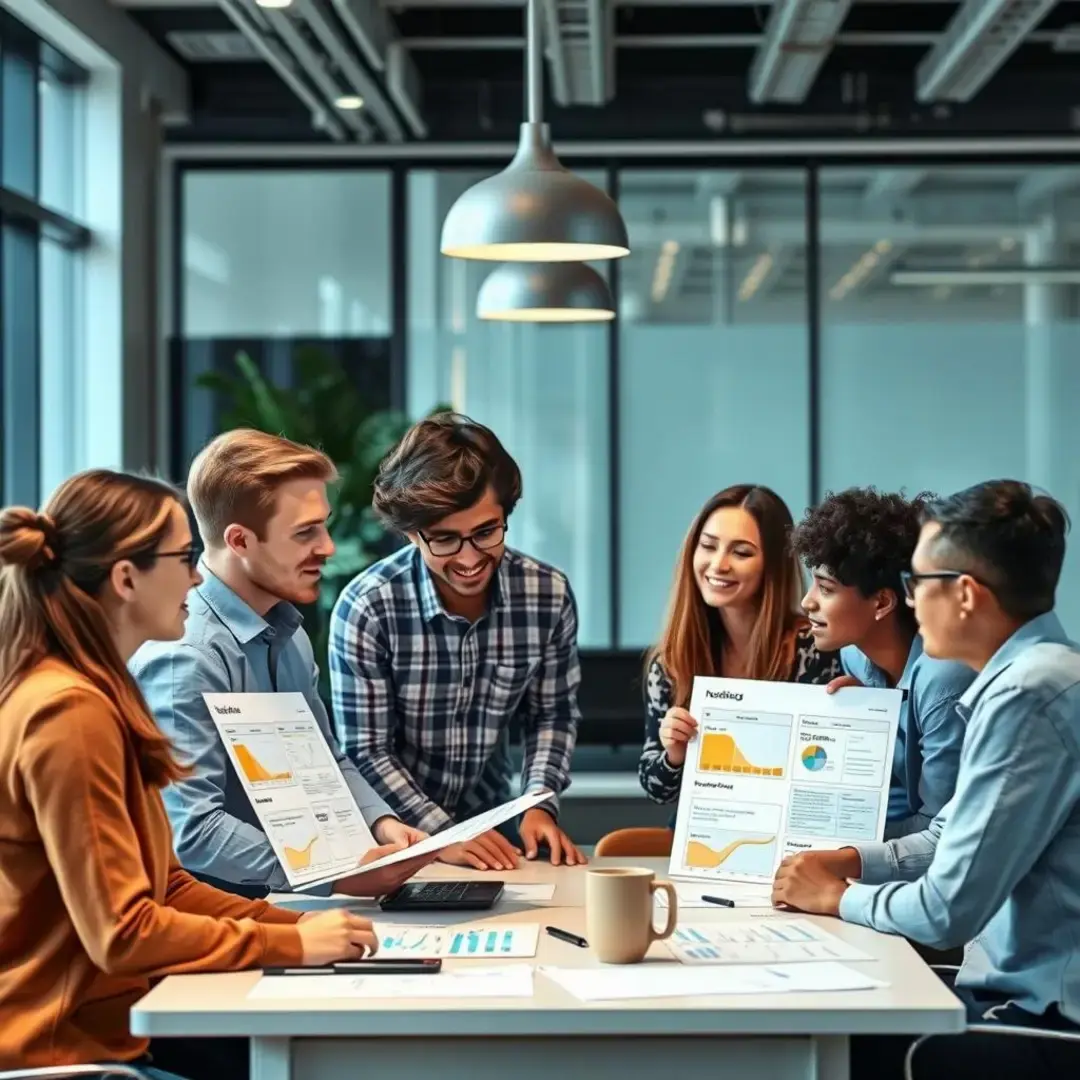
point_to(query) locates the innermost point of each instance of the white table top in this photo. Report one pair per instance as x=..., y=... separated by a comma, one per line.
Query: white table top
x=914, y=1002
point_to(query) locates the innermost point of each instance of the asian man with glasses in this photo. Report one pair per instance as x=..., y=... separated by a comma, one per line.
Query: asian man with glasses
x=437, y=650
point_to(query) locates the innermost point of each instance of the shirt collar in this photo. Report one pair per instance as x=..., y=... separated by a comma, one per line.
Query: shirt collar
x=242, y=621
x=913, y=654
x=431, y=604
x=1043, y=628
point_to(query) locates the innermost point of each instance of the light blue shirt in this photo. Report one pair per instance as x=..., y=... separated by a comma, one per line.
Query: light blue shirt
x=929, y=736
x=999, y=867
x=228, y=648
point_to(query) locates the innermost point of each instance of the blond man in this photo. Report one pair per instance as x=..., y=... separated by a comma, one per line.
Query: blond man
x=261, y=505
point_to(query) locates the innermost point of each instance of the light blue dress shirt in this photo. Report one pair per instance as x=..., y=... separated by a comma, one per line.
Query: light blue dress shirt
x=999, y=867
x=929, y=736
x=228, y=648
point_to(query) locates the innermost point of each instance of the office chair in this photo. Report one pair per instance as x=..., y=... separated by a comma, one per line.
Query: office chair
x=1006, y=1030
x=71, y=1072
x=635, y=843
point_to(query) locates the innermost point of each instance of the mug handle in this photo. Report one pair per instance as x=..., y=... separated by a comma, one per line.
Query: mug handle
x=673, y=910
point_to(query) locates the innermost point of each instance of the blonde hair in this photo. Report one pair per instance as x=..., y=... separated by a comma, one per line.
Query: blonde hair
x=235, y=480
x=54, y=564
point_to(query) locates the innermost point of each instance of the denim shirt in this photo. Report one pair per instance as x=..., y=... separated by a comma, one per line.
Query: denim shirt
x=929, y=736
x=999, y=867
x=228, y=648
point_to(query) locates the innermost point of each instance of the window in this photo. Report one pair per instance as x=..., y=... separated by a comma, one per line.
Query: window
x=542, y=389
x=950, y=333
x=40, y=266
x=713, y=361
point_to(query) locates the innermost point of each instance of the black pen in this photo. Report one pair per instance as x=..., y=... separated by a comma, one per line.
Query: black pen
x=718, y=900
x=564, y=935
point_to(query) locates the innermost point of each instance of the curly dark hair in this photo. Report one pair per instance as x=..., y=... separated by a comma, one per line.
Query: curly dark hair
x=863, y=537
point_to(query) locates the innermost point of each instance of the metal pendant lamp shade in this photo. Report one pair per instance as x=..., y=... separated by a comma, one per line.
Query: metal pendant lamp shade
x=545, y=293
x=535, y=210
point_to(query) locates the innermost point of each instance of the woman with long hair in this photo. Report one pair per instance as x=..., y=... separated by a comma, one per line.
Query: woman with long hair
x=734, y=612
x=93, y=903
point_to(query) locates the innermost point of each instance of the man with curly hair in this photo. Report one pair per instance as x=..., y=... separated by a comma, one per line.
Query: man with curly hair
x=856, y=544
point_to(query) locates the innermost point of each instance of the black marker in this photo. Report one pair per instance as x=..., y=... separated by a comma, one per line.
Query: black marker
x=564, y=935
x=718, y=900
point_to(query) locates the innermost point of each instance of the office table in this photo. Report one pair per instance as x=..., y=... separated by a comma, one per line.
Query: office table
x=553, y=1036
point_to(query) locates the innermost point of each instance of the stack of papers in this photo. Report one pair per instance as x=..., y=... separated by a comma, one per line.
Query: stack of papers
x=776, y=941
x=510, y=980
x=675, y=980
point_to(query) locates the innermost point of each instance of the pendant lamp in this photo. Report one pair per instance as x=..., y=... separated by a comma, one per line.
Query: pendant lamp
x=545, y=293
x=535, y=210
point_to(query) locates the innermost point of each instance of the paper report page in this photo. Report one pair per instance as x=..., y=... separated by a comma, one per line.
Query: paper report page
x=778, y=768
x=297, y=789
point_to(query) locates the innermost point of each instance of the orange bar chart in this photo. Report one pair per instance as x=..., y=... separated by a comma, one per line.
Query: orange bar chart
x=720, y=753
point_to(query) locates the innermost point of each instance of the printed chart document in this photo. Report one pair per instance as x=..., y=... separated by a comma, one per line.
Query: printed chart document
x=305, y=807
x=505, y=981
x=675, y=980
x=779, y=768
x=779, y=942
x=300, y=796
x=504, y=941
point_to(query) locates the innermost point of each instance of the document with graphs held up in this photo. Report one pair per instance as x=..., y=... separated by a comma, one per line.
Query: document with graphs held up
x=779, y=768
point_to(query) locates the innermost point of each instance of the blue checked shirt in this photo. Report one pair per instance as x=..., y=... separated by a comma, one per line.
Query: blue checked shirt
x=423, y=700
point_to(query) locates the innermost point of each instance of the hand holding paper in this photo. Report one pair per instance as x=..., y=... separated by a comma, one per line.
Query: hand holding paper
x=380, y=881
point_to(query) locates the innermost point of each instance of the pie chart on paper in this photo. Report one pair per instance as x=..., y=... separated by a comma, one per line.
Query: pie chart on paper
x=814, y=758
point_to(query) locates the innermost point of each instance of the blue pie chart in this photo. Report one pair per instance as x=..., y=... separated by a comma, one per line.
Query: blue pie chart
x=814, y=758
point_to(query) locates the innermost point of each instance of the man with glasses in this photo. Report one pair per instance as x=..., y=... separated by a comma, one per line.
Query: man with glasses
x=999, y=867
x=439, y=649
x=857, y=545
x=261, y=507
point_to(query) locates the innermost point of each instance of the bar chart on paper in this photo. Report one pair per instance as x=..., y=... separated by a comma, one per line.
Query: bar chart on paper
x=485, y=942
x=771, y=941
x=750, y=744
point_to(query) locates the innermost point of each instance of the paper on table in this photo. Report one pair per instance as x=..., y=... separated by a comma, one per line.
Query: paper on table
x=294, y=783
x=455, y=834
x=744, y=895
x=520, y=892
x=509, y=980
x=484, y=942
x=773, y=942
x=674, y=980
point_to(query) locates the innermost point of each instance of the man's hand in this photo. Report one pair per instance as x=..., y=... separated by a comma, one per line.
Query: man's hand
x=840, y=682
x=386, y=879
x=388, y=830
x=489, y=851
x=539, y=827
x=815, y=881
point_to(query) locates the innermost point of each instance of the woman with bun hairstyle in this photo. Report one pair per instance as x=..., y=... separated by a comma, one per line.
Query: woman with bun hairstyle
x=734, y=612
x=93, y=904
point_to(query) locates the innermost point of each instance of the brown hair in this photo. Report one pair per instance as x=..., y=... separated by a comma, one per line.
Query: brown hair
x=443, y=465
x=54, y=563
x=235, y=479
x=693, y=632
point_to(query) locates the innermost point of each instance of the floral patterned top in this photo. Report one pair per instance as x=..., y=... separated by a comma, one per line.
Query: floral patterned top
x=662, y=780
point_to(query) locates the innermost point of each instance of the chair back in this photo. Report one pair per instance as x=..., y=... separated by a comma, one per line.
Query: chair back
x=636, y=843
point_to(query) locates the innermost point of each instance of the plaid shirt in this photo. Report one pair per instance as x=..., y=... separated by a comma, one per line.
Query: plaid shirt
x=423, y=700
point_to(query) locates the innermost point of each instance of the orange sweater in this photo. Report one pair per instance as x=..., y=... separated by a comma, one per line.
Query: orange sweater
x=93, y=904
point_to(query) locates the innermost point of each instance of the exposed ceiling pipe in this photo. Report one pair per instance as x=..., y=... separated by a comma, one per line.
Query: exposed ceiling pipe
x=275, y=56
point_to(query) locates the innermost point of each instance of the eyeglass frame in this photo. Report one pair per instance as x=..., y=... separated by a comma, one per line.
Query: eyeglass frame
x=470, y=539
x=910, y=579
x=192, y=555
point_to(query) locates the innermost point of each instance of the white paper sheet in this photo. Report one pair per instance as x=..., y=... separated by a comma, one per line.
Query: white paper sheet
x=296, y=787
x=675, y=980
x=509, y=980
x=773, y=942
x=778, y=768
x=525, y=892
x=513, y=893
x=481, y=942
x=743, y=895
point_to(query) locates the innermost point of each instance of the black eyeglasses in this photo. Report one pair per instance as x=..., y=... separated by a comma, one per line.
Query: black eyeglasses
x=483, y=540
x=189, y=555
x=910, y=579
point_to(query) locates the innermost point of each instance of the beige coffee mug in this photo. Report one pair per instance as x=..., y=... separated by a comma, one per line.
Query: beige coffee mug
x=619, y=913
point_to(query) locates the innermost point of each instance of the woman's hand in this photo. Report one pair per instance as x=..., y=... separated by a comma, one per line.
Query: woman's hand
x=676, y=729
x=328, y=936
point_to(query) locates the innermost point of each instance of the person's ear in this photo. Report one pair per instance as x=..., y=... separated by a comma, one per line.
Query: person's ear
x=413, y=538
x=885, y=602
x=237, y=539
x=122, y=579
x=971, y=594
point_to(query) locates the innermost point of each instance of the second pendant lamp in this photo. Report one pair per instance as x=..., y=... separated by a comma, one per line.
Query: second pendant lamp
x=535, y=210
x=551, y=292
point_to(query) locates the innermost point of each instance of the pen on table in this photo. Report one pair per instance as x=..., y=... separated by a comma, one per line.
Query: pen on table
x=718, y=900
x=564, y=935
